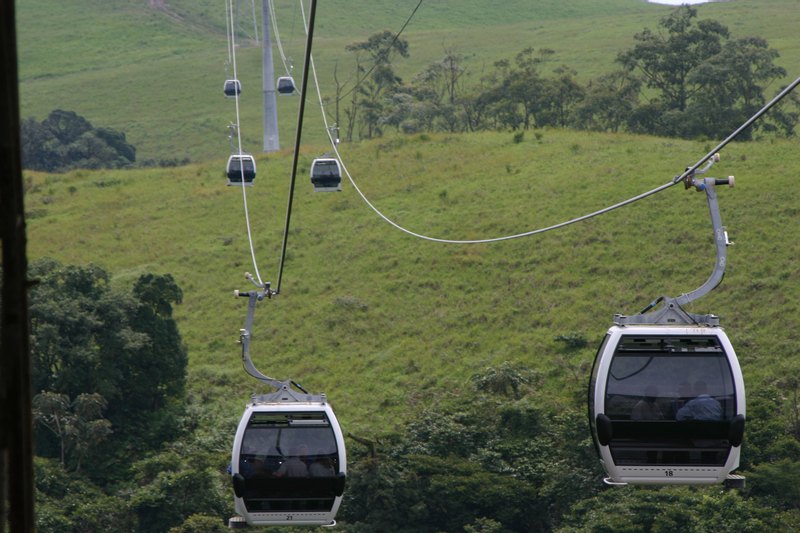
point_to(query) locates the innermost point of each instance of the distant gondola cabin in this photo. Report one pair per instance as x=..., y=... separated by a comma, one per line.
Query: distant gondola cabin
x=326, y=174
x=241, y=169
x=286, y=85
x=232, y=88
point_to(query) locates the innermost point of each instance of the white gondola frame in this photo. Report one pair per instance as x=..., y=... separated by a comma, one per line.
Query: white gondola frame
x=661, y=474
x=232, y=88
x=298, y=518
x=324, y=183
x=284, y=83
x=245, y=176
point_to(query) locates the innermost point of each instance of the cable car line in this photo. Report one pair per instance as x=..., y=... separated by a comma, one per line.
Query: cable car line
x=298, y=134
x=238, y=153
x=288, y=459
x=677, y=179
x=275, y=487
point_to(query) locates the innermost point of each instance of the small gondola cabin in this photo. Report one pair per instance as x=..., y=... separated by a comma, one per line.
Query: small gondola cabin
x=232, y=88
x=326, y=174
x=286, y=85
x=241, y=170
x=288, y=464
x=667, y=405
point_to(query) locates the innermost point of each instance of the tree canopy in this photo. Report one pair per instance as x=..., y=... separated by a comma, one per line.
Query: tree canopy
x=687, y=78
x=122, y=349
x=65, y=140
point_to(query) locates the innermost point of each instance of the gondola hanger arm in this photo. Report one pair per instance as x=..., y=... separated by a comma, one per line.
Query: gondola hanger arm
x=721, y=241
x=253, y=297
x=671, y=311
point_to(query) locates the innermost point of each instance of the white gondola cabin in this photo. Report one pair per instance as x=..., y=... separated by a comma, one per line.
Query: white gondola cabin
x=241, y=169
x=286, y=85
x=232, y=88
x=288, y=463
x=326, y=174
x=667, y=405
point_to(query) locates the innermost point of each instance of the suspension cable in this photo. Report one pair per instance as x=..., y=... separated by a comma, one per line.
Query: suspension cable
x=278, y=35
x=232, y=51
x=298, y=135
x=679, y=178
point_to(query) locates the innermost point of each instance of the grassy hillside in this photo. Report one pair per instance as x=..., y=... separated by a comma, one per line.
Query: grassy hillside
x=157, y=74
x=379, y=319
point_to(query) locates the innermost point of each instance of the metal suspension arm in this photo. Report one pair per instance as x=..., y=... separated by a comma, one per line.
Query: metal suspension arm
x=671, y=311
x=720, y=238
x=244, y=334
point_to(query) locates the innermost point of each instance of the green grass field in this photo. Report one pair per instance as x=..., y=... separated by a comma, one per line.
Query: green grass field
x=379, y=320
x=376, y=318
x=157, y=74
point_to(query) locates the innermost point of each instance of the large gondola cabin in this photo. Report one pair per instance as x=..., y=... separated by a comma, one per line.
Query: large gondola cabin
x=667, y=404
x=288, y=463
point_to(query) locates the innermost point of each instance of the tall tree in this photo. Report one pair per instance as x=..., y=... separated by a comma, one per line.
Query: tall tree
x=667, y=58
x=733, y=82
x=379, y=80
x=87, y=338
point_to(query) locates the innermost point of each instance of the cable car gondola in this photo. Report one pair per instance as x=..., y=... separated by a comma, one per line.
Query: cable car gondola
x=286, y=85
x=232, y=88
x=667, y=395
x=668, y=404
x=241, y=169
x=288, y=461
x=326, y=174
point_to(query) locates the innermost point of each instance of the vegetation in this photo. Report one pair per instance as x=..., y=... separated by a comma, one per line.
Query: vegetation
x=705, y=83
x=107, y=367
x=447, y=365
x=65, y=140
x=156, y=73
x=458, y=372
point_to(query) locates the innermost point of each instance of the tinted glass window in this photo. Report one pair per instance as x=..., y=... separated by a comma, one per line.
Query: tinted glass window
x=670, y=378
x=289, y=461
x=326, y=169
x=670, y=400
x=289, y=445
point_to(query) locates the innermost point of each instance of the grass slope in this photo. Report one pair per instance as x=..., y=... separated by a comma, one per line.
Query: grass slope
x=157, y=73
x=381, y=320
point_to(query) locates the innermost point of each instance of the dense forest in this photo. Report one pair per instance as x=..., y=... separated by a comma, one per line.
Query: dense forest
x=120, y=446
